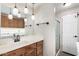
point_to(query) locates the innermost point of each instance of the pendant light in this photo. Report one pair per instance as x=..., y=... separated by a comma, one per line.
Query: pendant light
x=26, y=9
x=10, y=15
x=33, y=15
x=15, y=10
x=19, y=14
x=25, y=19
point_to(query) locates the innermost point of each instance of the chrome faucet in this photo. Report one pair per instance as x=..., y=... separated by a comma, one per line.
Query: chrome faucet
x=16, y=38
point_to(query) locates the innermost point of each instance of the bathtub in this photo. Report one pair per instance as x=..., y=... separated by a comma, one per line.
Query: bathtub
x=77, y=48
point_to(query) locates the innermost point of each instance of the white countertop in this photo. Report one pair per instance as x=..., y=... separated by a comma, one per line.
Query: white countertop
x=8, y=44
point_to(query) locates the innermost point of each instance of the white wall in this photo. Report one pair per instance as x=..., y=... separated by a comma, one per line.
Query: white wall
x=78, y=28
x=46, y=13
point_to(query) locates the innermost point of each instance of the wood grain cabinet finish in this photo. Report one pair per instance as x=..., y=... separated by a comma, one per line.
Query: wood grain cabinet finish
x=17, y=52
x=30, y=50
x=20, y=23
x=4, y=21
x=14, y=23
x=39, y=48
x=35, y=49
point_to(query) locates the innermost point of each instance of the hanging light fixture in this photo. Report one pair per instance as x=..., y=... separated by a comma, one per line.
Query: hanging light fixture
x=10, y=16
x=26, y=9
x=15, y=10
x=25, y=19
x=19, y=14
x=33, y=16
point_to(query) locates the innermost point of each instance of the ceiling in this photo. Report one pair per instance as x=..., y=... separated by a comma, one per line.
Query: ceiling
x=21, y=6
x=37, y=6
x=61, y=8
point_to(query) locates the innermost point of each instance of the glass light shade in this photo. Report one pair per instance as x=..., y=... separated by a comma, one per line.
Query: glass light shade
x=15, y=11
x=10, y=16
x=67, y=4
x=19, y=15
x=25, y=20
x=33, y=17
x=25, y=10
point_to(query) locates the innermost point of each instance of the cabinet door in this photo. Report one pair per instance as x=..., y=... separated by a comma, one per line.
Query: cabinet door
x=20, y=51
x=35, y=49
x=14, y=23
x=39, y=48
x=20, y=23
x=4, y=21
x=30, y=50
x=17, y=52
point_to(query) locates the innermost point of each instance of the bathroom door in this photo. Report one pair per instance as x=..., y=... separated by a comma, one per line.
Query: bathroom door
x=69, y=34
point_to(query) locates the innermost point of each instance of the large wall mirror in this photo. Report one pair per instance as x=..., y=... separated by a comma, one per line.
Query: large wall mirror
x=17, y=25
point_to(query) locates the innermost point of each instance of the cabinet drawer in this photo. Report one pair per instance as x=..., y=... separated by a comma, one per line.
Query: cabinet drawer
x=17, y=52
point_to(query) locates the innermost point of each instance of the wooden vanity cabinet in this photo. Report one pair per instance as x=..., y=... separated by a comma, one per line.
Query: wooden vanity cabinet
x=35, y=49
x=30, y=50
x=4, y=21
x=14, y=23
x=17, y=52
x=20, y=23
x=39, y=48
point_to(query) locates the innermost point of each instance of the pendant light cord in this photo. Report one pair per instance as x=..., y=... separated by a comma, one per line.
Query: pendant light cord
x=32, y=8
x=15, y=5
x=25, y=5
x=10, y=10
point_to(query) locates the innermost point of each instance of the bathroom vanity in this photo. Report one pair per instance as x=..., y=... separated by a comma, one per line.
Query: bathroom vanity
x=31, y=47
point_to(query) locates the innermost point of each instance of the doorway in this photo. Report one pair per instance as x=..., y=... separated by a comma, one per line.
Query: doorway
x=70, y=34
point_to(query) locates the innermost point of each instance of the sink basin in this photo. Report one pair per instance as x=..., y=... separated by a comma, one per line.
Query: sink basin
x=23, y=40
x=13, y=43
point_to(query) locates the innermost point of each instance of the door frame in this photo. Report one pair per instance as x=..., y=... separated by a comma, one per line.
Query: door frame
x=57, y=53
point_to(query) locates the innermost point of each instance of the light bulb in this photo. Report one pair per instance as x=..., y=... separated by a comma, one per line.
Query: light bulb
x=33, y=17
x=25, y=20
x=15, y=11
x=10, y=16
x=67, y=4
x=25, y=10
x=19, y=15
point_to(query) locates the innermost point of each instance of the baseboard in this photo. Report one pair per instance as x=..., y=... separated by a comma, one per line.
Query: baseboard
x=68, y=53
